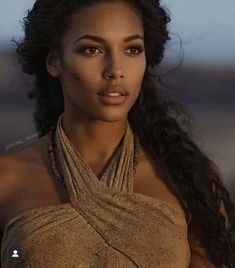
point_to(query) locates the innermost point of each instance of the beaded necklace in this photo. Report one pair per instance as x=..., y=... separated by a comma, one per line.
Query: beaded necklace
x=52, y=160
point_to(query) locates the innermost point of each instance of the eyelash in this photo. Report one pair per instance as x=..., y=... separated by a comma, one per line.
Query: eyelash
x=83, y=49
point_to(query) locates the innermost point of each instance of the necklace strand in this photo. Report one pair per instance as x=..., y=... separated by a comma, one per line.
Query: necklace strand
x=52, y=160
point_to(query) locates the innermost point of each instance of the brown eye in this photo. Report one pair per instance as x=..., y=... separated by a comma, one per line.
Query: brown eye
x=139, y=49
x=135, y=50
x=86, y=48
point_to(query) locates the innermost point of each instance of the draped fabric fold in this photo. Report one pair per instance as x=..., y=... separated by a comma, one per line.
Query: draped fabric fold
x=105, y=224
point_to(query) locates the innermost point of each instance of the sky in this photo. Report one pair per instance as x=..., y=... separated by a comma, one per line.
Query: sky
x=206, y=28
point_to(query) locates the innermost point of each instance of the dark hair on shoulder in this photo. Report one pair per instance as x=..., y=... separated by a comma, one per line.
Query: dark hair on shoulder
x=162, y=125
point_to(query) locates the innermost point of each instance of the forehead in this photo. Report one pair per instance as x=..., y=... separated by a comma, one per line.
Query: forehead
x=117, y=19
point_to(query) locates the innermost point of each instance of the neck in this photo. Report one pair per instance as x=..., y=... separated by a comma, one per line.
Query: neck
x=94, y=140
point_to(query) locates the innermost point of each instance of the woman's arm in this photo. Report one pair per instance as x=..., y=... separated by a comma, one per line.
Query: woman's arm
x=199, y=259
x=198, y=252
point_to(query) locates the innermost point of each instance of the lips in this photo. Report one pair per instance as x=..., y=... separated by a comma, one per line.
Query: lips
x=114, y=89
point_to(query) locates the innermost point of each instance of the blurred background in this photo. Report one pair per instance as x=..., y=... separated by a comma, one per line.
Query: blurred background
x=204, y=83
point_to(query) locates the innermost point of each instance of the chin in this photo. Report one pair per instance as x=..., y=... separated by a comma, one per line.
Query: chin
x=112, y=116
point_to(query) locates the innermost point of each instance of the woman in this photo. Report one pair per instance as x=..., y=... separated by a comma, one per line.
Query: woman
x=114, y=180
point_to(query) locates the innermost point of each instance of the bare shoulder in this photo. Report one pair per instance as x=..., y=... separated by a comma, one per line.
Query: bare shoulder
x=15, y=165
x=16, y=170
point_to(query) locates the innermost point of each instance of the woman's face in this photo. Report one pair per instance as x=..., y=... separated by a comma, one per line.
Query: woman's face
x=89, y=66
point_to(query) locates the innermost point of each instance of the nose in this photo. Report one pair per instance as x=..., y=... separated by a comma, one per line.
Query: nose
x=114, y=69
x=114, y=74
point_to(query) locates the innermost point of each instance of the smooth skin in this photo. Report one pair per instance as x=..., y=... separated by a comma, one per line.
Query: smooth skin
x=94, y=129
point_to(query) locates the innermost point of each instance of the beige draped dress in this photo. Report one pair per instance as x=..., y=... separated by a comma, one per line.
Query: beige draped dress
x=105, y=224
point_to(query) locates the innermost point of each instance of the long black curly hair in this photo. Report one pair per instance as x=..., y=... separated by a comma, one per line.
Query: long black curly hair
x=162, y=125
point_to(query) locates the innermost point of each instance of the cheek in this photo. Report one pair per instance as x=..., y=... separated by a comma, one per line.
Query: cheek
x=75, y=77
x=138, y=68
x=83, y=75
x=137, y=74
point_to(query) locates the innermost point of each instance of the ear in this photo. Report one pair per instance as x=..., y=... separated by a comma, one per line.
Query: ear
x=53, y=64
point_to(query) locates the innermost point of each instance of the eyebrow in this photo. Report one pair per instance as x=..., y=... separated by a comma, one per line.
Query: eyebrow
x=102, y=40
